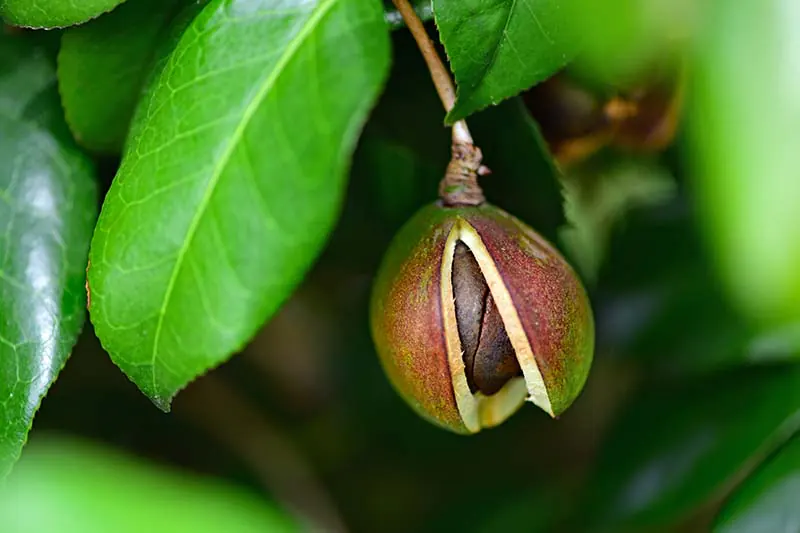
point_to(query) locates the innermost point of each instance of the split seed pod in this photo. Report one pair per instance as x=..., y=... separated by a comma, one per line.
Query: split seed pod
x=473, y=313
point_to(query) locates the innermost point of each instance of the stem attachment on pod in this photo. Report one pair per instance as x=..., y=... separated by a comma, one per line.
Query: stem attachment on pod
x=460, y=183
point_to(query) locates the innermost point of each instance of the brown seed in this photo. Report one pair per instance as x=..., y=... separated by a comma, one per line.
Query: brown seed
x=470, y=291
x=495, y=360
x=489, y=358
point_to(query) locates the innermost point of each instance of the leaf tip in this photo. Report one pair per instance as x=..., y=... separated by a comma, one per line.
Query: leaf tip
x=164, y=404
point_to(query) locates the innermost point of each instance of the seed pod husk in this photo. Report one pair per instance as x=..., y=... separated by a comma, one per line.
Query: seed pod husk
x=473, y=312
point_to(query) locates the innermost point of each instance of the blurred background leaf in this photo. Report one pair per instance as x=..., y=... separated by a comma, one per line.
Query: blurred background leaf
x=745, y=127
x=767, y=500
x=75, y=488
x=659, y=302
x=599, y=194
x=678, y=445
x=621, y=40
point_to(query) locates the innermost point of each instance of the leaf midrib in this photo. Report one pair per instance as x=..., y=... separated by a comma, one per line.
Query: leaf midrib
x=294, y=45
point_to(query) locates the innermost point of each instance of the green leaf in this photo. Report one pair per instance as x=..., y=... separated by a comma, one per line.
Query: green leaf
x=48, y=203
x=53, y=13
x=498, y=48
x=767, y=500
x=75, y=488
x=678, y=445
x=231, y=181
x=102, y=66
x=745, y=127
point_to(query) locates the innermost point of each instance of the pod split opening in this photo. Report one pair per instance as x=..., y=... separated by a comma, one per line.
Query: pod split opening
x=491, y=361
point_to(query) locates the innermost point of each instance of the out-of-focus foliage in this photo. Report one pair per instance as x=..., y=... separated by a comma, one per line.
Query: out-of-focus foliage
x=767, y=501
x=746, y=129
x=599, y=195
x=623, y=39
x=72, y=488
x=678, y=446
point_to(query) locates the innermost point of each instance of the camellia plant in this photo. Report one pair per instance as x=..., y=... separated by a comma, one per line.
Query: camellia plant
x=599, y=215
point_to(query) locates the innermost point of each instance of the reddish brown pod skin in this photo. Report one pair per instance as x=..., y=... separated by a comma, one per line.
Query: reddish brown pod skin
x=542, y=301
x=406, y=318
x=552, y=303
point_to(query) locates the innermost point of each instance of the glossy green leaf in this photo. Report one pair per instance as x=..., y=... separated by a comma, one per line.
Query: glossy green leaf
x=498, y=48
x=102, y=66
x=76, y=488
x=746, y=130
x=231, y=181
x=679, y=445
x=767, y=499
x=53, y=13
x=48, y=203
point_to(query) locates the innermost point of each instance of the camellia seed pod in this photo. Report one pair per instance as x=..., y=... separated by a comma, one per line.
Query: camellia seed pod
x=473, y=312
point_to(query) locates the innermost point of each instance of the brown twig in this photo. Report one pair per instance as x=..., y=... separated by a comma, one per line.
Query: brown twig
x=439, y=74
